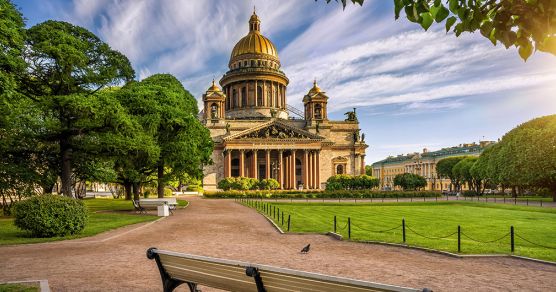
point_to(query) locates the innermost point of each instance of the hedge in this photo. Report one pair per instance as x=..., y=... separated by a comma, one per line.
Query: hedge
x=317, y=194
x=349, y=182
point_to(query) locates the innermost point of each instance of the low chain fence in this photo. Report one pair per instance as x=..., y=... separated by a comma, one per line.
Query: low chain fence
x=284, y=220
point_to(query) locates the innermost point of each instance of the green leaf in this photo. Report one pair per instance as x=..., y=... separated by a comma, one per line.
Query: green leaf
x=525, y=50
x=427, y=20
x=450, y=22
x=398, y=5
x=441, y=14
x=454, y=5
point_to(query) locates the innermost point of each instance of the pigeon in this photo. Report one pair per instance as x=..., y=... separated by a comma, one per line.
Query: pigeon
x=306, y=249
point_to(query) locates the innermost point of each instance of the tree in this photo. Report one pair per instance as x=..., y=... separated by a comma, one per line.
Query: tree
x=479, y=171
x=168, y=113
x=12, y=35
x=526, y=156
x=369, y=170
x=67, y=67
x=444, y=169
x=529, y=25
x=410, y=181
x=462, y=171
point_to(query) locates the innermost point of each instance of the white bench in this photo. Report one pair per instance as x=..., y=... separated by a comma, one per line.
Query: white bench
x=171, y=202
x=179, y=268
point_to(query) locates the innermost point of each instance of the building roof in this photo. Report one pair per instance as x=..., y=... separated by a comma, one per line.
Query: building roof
x=461, y=150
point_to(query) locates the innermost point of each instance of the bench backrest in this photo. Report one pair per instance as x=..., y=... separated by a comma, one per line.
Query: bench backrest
x=169, y=200
x=231, y=275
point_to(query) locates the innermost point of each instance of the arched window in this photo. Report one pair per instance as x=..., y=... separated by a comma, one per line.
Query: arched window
x=318, y=111
x=340, y=169
x=259, y=96
x=214, y=111
x=253, y=63
x=243, y=97
x=234, y=98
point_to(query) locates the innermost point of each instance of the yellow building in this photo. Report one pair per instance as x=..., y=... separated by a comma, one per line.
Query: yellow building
x=257, y=134
x=423, y=164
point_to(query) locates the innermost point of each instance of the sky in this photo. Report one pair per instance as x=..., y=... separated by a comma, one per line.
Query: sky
x=413, y=89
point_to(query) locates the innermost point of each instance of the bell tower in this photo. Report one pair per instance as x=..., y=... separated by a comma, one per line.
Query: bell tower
x=315, y=102
x=214, y=104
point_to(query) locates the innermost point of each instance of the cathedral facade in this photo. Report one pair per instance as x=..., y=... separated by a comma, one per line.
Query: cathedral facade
x=257, y=134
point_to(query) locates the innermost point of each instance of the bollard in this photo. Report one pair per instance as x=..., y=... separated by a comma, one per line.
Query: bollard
x=349, y=228
x=459, y=238
x=403, y=230
x=289, y=222
x=512, y=238
x=334, y=223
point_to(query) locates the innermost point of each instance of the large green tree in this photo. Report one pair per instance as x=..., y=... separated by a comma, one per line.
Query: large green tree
x=444, y=169
x=526, y=156
x=462, y=170
x=67, y=66
x=168, y=113
x=528, y=25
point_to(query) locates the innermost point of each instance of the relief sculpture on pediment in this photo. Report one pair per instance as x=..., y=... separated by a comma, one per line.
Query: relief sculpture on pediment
x=274, y=132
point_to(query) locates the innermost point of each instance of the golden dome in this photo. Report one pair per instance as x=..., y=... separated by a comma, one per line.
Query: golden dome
x=315, y=89
x=214, y=87
x=254, y=42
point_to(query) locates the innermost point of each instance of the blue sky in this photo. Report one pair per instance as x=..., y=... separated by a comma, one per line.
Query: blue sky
x=412, y=89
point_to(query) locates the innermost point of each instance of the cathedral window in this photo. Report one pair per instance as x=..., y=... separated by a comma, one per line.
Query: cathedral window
x=259, y=96
x=339, y=169
x=243, y=97
x=234, y=98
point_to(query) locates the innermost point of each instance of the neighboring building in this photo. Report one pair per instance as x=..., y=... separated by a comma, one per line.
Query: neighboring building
x=423, y=164
x=257, y=134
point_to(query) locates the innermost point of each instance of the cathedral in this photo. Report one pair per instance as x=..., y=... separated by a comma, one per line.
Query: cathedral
x=257, y=134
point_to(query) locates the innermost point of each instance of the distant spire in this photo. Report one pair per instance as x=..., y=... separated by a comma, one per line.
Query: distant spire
x=315, y=82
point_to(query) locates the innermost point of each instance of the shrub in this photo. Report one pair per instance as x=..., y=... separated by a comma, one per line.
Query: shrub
x=168, y=192
x=269, y=184
x=348, y=182
x=312, y=194
x=50, y=215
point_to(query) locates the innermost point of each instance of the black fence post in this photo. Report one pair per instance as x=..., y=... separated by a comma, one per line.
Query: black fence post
x=515, y=200
x=349, y=228
x=282, y=217
x=527, y=201
x=411, y=199
x=274, y=211
x=436, y=198
x=403, y=230
x=504, y=199
x=541, y=202
x=335, y=223
x=459, y=239
x=397, y=198
x=278, y=214
x=512, y=243
x=423, y=198
x=289, y=222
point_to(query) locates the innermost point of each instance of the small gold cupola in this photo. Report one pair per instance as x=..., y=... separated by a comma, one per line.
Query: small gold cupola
x=315, y=103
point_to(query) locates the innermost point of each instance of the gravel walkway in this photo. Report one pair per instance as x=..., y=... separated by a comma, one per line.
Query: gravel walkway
x=115, y=261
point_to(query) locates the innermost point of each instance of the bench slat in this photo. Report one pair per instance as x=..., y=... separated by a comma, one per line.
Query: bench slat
x=230, y=275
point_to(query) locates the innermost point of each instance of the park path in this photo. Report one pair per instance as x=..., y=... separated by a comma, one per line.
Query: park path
x=115, y=261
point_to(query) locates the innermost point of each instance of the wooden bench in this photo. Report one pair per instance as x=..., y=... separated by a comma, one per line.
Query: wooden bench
x=154, y=203
x=178, y=268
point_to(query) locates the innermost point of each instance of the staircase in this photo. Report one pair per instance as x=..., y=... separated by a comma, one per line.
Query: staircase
x=294, y=112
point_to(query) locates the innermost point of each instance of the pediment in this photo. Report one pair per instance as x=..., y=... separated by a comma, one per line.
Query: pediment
x=275, y=130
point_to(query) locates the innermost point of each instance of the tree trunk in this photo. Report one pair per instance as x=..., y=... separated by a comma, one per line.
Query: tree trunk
x=514, y=193
x=127, y=187
x=180, y=185
x=66, y=151
x=160, y=187
x=136, y=191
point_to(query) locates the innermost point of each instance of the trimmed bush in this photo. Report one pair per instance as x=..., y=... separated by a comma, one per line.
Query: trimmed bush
x=318, y=194
x=269, y=184
x=349, y=182
x=51, y=215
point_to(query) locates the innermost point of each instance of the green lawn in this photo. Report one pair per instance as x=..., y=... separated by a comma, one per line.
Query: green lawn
x=101, y=218
x=18, y=288
x=479, y=221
